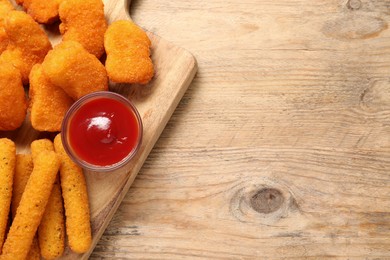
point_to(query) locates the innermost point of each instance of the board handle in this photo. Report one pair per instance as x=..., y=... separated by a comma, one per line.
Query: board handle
x=117, y=10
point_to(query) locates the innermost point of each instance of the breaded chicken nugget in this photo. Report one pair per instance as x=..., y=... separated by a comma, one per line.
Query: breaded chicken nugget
x=31, y=207
x=13, y=102
x=74, y=192
x=6, y=4
x=28, y=43
x=23, y=169
x=84, y=22
x=7, y=166
x=70, y=67
x=128, y=53
x=5, y=7
x=3, y=40
x=42, y=11
x=48, y=103
x=51, y=231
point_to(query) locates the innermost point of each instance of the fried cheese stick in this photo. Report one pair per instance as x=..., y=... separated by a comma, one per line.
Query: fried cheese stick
x=32, y=206
x=74, y=192
x=51, y=231
x=23, y=169
x=7, y=166
x=39, y=146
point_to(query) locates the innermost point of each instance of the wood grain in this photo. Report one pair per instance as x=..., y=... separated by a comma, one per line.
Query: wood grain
x=174, y=70
x=292, y=96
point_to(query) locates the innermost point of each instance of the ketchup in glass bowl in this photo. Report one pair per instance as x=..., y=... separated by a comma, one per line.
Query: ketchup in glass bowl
x=102, y=131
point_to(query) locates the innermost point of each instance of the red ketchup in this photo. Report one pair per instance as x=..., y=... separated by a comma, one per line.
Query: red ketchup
x=103, y=130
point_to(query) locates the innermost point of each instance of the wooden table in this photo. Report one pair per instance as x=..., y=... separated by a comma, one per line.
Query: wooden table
x=280, y=148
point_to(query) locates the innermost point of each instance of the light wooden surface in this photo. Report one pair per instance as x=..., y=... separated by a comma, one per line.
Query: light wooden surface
x=290, y=113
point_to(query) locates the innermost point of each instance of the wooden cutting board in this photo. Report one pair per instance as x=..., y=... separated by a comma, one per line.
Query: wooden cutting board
x=174, y=70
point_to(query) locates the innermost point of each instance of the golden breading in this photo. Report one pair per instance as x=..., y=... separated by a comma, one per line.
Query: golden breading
x=35, y=252
x=48, y=103
x=31, y=207
x=40, y=145
x=28, y=43
x=51, y=231
x=3, y=40
x=128, y=53
x=13, y=102
x=7, y=166
x=74, y=192
x=23, y=169
x=84, y=22
x=42, y=11
x=70, y=67
x=5, y=7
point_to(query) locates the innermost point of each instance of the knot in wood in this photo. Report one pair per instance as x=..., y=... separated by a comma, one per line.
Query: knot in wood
x=354, y=4
x=267, y=200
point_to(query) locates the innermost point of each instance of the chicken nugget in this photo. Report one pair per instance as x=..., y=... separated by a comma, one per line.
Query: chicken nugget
x=48, y=103
x=70, y=67
x=3, y=40
x=31, y=207
x=13, y=101
x=42, y=11
x=51, y=231
x=5, y=7
x=23, y=169
x=74, y=192
x=128, y=53
x=7, y=166
x=84, y=22
x=28, y=43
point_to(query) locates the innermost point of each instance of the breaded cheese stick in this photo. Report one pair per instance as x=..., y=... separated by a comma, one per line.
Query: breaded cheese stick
x=74, y=192
x=51, y=231
x=23, y=169
x=7, y=166
x=34, y=253
x=39, y=146
x=31, y=207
